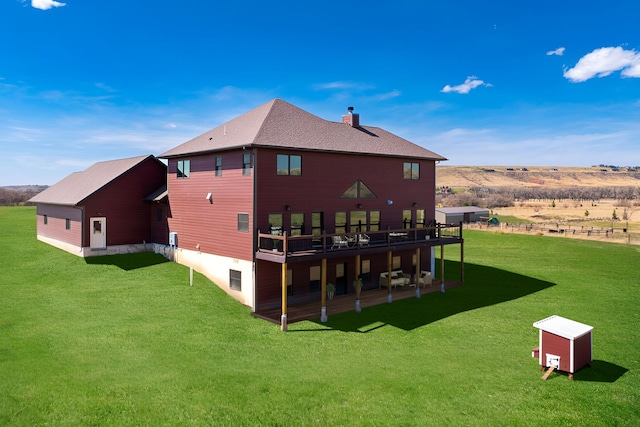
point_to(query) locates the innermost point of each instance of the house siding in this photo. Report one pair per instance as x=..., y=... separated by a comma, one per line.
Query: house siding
x=212, y=227
x=55, y=229
x=122, y=203
x=329, y=175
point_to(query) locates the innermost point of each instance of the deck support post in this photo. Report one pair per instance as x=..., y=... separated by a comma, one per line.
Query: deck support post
x=323, y=290
x=358, y=310
x=442, y=268
x=389, y=263
x=417, y=275
x=283, y=318
x=462, y=262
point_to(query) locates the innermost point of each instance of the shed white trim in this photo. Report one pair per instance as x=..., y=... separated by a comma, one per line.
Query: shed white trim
x=565, y=328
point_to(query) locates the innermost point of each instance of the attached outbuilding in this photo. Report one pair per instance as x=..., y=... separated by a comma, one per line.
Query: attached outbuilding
x=458, y=214
x=111, y=207
x=564, y=344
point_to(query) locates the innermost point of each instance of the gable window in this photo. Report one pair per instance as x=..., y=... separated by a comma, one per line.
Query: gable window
x=243, y=222
x=358, y=190
x=246, y=164
x=219, y=166
x=289, y=164
x=184, y=168
x=67, y=224
x=235, y=280
x=411, y=170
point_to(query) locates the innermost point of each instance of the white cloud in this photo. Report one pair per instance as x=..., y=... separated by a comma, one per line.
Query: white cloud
x=46, y=4
x=604, y=61
x=559, y=51
x=471, y=82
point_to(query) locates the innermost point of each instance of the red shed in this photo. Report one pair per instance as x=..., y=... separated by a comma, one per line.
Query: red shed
x=564, y=344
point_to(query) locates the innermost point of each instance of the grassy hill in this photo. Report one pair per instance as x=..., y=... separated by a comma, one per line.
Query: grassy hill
x=534, y=176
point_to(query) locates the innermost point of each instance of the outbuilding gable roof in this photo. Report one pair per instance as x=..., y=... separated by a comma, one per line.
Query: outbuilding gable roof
x=75, y=188
x=278, y=124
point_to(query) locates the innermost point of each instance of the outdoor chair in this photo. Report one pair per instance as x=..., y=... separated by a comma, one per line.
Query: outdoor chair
x=363, y=239
x=340, y=242
x=424, y=279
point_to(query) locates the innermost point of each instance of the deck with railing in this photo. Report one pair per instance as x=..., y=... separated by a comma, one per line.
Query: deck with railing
x=286, y=248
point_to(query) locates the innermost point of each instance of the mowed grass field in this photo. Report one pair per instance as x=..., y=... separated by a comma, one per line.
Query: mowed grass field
x=124, y=340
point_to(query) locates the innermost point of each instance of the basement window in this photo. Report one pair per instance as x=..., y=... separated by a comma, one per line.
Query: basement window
x=235, y=280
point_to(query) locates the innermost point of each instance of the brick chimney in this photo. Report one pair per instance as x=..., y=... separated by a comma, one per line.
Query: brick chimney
x=352, y=119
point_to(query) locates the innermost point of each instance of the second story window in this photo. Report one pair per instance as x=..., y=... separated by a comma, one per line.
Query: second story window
x=246, y=164
x=411, y=170
x=184, y=168
x=219, y=166
x=289, y=164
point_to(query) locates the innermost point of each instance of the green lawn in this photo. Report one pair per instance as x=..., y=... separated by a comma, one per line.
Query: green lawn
x=124, y=340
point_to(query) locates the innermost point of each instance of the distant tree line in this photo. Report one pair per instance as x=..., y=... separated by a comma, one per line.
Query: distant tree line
x=497, y=197
x=14, y=197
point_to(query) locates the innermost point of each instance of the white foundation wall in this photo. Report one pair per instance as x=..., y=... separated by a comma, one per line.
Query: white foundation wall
x=88, y=252
x=216, y=268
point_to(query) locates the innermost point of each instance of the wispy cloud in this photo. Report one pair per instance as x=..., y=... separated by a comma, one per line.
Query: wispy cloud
x=603, y=62
x=470, y=83
x=46, y=4
x=559, y=51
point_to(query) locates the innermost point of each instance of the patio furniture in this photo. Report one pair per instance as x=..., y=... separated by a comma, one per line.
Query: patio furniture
x=340, y=242
x=363, y=240
x=398, y=278
x=424, y=279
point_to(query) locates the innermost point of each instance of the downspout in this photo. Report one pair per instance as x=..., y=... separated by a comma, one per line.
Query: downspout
x=255, y=231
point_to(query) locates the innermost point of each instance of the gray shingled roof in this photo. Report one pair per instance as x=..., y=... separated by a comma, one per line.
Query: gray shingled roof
x=279, y=124
x=76, y=187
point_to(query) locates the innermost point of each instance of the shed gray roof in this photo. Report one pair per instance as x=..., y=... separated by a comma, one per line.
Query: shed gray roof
x=462, y=210
x=74, y=188
x=279, y=124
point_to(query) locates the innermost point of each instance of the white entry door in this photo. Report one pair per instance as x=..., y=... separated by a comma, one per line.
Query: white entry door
x=98, y=233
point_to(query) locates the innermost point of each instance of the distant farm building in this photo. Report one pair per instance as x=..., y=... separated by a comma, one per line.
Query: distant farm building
x=464, y=214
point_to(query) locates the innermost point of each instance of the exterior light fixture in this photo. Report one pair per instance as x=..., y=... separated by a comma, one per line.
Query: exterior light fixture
x=287, y=207
x=359, y=205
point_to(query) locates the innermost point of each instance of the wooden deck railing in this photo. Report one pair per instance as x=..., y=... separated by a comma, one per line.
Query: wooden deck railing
x=308, y=244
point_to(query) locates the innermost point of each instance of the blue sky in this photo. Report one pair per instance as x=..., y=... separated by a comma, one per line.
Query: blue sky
x=481, y=83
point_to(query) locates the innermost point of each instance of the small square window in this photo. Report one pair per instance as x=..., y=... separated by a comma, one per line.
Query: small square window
x=235, y=280
x=411, y=171
x=243, y=222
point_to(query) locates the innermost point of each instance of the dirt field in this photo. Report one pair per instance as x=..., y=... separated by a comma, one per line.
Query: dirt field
x=570, y=214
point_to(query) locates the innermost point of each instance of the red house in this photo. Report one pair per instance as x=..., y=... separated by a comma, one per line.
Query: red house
x=277, y=203
x=105, y=209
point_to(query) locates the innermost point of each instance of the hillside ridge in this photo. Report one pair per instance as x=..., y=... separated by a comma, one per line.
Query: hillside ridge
x=535, y=176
